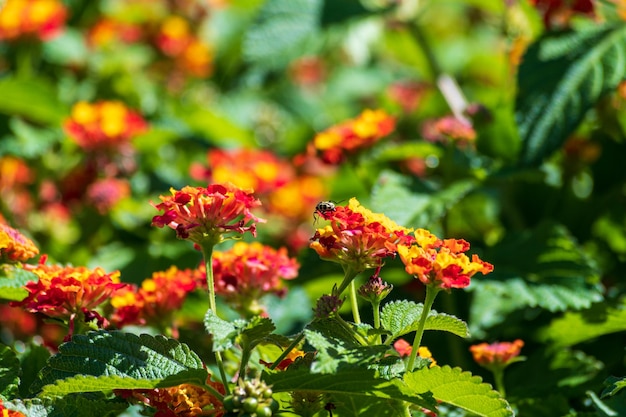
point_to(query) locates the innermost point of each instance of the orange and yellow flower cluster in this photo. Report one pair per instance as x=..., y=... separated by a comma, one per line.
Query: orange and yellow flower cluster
x=175, y=39
x=14, y=246
x=404, y=349
x=64, y=291
x=441, y=262
x=103, y=125
x=248, y=271
x=357, y=238
x=183, y=400
x=41, y=19
x=338, y=142
x=206, y=215
x=156, y=299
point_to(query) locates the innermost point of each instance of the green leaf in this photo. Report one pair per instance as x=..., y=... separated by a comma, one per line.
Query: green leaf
x=614, y=385
x=12, y=281
x=461, y=389
x=107, y=354
x=281, y=31
x=32, y=361
x=258, y=330
x=543, y=267
x=337, y=347
x=9, y=372
x=402, y=317
x=337, y=11
x=356, y=383
x=577, y=327
x=561, y=77
x=412, y=203
x=34, y=99
x=68, y=406
x=222, y=331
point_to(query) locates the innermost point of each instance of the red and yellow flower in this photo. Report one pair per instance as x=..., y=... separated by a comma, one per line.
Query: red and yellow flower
x=357, y=238
x=404, y=349
x=338, y=142
x=206, y=215
x=42, y=19
x=157, y=298
x=108, y=31
x=559, y=12
x=449, y=128
x=498, y=354
x=14, y=246
x=105, y=124
x=63, y=291
x=441, y=263
x=4, y=412
x=248, y=271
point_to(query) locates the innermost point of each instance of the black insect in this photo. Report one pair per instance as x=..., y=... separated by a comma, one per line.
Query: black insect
x=322, y=208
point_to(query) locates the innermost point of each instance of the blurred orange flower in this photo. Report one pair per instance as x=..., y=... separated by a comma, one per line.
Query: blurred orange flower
x=14, y=246
x=63, y=291
x=338, y=142
x=448, y=128
x=498, y=354
x=104, y=124
x=206, y=215
x=4, y=412
x=157, y=298
x=358, y=238
x=441, y=263
x=42, y=19
x=109, y=31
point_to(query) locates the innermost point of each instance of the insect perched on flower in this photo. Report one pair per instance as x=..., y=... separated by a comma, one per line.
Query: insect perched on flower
x=323, y=208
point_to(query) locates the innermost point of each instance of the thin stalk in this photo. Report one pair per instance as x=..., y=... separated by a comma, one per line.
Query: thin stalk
x=207, y=253
x=498, y=375
x=431, y=293
x=354, y=301
x=291, y=347
x=376, y=314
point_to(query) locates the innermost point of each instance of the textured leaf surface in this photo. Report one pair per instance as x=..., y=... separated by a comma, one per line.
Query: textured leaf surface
x=561, y=77
x=543, y=268
x=402, y=317
x=123, y=355
x=222, y=331
x=68, y=406
x=9, y=372
x=415, y=204
x=462, y=389
x=337, y=348
x=356, y=383
x=576, y=327
x=12, y=279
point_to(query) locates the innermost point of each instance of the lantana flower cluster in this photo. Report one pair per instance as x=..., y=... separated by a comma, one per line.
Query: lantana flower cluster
x=40, y=19
x=14, y=246
x=358, y=238
x=340, y=141
x=103, y=124
x=155, y=300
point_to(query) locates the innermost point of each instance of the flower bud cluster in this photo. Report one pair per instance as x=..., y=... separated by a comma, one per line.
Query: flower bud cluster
x=251, y=398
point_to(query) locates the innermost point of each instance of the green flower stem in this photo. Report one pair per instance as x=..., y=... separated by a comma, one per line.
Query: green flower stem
x=214, y=392
x=355, y=303
x=498, y=375
x=291, y=347
x=376, y=314
x=348, y=279
x=207, y=253
x=431, y=293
